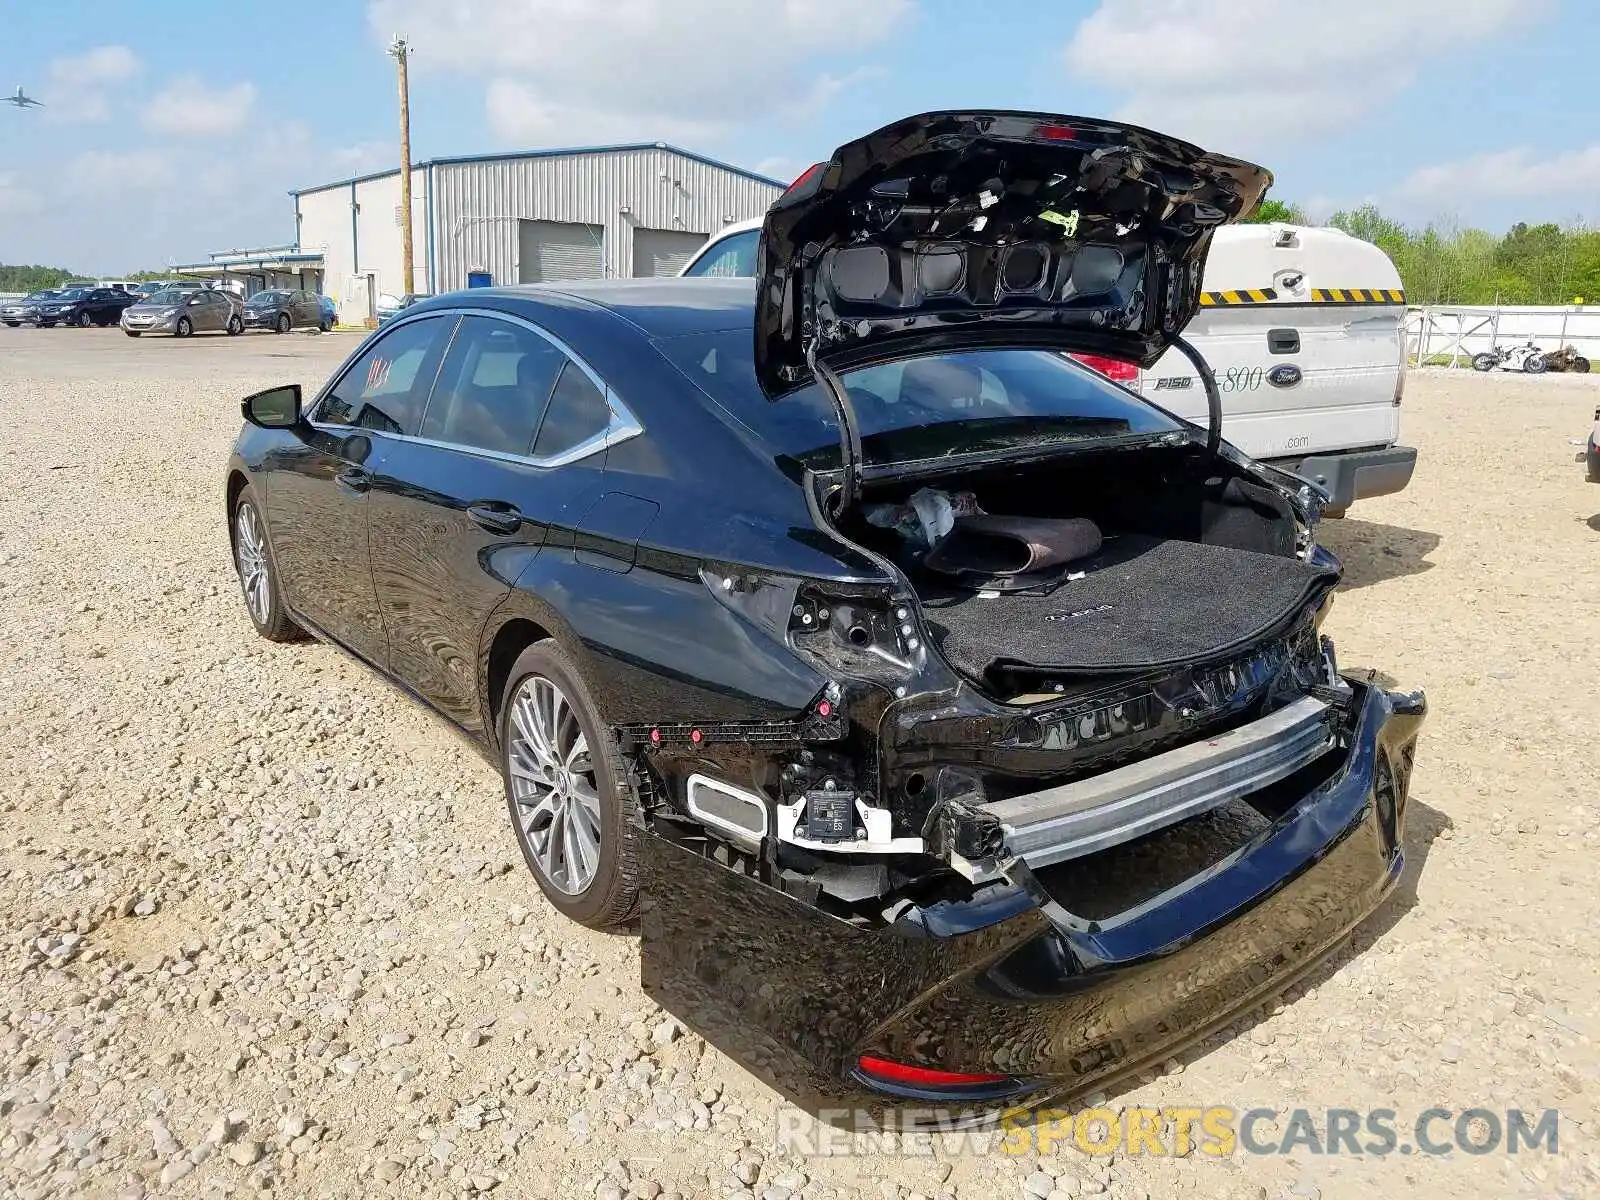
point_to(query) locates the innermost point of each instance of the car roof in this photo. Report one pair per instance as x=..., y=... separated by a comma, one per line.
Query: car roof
x=660, y=307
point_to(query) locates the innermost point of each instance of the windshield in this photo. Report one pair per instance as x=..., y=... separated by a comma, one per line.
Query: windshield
x=43, y=296
x=921, y=408
x=267, y=299
x=170, y=296
x=73, y=294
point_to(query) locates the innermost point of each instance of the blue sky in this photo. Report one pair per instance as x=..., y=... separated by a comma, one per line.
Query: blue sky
x=172, y=131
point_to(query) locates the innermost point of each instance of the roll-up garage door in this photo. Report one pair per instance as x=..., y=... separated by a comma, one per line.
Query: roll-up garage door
x=548, y=250
x=663, y=252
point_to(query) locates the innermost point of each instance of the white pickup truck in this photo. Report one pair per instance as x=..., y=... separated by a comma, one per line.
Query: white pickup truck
x=1305, y=330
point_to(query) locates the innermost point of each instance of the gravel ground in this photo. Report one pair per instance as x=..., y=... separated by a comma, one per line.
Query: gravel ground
x=263, y=929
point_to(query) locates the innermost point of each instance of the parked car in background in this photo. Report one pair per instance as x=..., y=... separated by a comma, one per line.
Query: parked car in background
x=389, y=307
x=21, y=312
x=184, y=311
x=729, y=254
x=280, y=310
x=84, y=306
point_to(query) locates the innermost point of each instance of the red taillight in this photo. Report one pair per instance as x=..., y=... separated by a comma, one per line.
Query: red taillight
x=805, y=183
x=893, y=1072
x=1056, y=133
x=1111, y=368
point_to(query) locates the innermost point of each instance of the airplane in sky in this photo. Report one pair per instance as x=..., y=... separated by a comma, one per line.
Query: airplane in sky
x=23, y=100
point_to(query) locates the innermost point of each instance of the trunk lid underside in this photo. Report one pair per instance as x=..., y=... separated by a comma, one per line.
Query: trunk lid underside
x=956, y=230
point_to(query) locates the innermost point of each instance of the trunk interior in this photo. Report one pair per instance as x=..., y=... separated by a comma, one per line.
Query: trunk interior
x=1194, y=561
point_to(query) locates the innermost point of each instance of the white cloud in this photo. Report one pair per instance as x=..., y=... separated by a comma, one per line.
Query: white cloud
x=80, y=85
x=1243, y=75
x=102, y=172
x=1518, y=172
x=15, y=197
x=190, y=107
x=568, y=71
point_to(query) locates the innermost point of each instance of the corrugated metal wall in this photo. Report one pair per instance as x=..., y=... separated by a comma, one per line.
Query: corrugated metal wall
x=355, y=227
x=477, y=205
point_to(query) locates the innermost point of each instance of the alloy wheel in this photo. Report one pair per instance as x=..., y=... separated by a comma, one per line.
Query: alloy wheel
x=553, y=784
x=250, y=551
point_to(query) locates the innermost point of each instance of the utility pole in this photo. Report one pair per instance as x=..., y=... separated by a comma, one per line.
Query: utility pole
x=400, y=52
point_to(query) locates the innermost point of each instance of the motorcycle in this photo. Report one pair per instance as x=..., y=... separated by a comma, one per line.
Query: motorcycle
x=1526, y=358
x=1568, y=359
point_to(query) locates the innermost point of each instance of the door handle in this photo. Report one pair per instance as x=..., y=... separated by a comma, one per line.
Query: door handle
x=496, y=518
x=357, y=479
x=1283, y=341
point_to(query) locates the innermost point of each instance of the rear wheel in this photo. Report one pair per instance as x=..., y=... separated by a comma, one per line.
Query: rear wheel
x=564, y=789
x=235, y=326
x=1536, y=364
x=1580, y=365
x=258, y=578
x=283, y=322
x=1483, y=362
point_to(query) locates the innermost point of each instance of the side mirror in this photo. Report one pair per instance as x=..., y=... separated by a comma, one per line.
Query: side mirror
x=275, y=408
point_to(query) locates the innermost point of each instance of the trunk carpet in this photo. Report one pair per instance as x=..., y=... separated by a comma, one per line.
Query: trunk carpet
x=1144, y=602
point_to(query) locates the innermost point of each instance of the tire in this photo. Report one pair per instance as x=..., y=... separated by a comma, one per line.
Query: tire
x=13, y=324
x=132, y=332
x=1483, y=362
x=1580, y=365
x=235, y=326
x=183, y=328
x=546, y=703
x=283, y=323
x=325, y=327
x=258, y=573
x=85, y=320
x=1536, y=364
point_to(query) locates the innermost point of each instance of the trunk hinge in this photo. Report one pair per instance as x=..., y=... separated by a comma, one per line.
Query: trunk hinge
x=1213, y=397
x=849, y=430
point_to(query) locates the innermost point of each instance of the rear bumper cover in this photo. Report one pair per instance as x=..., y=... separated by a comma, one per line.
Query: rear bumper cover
x=1356, y=474
x=1008, y=981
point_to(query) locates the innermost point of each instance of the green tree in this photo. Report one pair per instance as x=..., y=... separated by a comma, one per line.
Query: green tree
x=31, y=279
x=1274, y=211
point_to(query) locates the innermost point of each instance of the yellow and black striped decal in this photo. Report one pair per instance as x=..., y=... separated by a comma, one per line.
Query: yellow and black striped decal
x=1241, y=296
x=1357, y=296
x=1318, y=296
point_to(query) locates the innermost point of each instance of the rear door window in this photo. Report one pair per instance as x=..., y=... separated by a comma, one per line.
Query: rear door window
x=387, y=388
x=494, y=387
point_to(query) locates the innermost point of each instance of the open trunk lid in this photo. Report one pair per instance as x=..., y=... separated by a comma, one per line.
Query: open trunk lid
x=959, y=230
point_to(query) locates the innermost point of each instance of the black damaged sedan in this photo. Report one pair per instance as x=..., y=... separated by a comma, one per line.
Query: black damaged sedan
x=959, y=723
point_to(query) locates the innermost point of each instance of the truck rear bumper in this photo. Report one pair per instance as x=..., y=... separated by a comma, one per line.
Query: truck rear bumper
x=1355, y=474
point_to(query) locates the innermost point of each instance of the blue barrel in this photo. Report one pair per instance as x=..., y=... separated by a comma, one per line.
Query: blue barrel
x=479, y=279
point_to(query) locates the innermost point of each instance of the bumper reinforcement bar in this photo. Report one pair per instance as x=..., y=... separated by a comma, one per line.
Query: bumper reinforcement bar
x=1118, y=806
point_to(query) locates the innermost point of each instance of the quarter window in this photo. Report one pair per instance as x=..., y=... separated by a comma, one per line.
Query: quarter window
x=493, y=388
x=577, y=412
x=387, y=387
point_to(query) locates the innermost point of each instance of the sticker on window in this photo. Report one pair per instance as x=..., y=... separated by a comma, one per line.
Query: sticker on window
x=377, y=374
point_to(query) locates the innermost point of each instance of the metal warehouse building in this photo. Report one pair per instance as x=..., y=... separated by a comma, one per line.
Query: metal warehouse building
x=598, y=211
